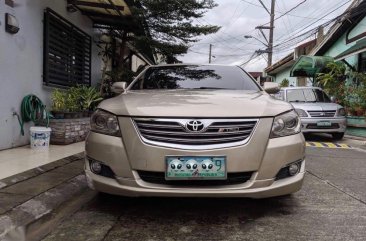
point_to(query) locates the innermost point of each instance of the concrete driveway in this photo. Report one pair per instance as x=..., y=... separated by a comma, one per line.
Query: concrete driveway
x=331, y=206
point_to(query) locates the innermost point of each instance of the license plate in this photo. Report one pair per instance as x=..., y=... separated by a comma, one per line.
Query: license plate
x=195, y=167
x=324, y=123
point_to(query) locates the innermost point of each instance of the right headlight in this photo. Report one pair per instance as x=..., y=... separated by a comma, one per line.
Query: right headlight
x=341, y=112
x=301, y=112
x=286, y=124
x=105, y=123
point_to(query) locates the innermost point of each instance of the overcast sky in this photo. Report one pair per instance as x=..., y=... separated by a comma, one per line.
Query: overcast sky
x=240, y=17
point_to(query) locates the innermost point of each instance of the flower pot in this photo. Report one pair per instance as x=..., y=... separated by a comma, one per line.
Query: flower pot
x=58, y=114
x=90, y=112
x=85, y=113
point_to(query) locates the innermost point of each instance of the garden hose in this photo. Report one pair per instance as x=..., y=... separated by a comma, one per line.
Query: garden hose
x=32, y=109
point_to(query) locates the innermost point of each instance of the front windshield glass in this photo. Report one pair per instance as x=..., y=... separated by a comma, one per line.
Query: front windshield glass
x=195, y=77
x=307, y=95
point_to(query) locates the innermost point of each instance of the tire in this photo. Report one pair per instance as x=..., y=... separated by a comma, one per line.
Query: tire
x=338, y=136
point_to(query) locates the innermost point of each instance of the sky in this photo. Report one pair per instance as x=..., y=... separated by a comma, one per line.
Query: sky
x=238, y=18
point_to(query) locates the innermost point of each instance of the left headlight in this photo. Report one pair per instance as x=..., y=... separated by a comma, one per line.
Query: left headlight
x=341, y=112
x=105, y=123
x=286, y=124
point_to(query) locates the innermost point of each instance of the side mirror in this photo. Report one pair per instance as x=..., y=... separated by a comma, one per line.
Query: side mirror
x=119, y=87
x=271, y=87
x=333, y=99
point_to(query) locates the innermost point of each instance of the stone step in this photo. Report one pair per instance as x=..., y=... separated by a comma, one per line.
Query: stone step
x=35, y=202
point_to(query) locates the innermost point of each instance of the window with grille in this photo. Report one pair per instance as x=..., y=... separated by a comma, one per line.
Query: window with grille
x=67, y=52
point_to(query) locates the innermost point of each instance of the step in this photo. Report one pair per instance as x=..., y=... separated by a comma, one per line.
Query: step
x=34, y=202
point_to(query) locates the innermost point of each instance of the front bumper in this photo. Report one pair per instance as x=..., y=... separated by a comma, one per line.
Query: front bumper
x=309, y=125
x=127, y=156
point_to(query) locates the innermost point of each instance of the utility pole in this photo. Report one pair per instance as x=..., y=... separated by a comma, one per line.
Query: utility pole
x=209, y=55
x=271, y=27
x=269, y=49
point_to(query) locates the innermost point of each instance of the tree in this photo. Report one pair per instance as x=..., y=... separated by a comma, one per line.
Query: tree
x=169, y=26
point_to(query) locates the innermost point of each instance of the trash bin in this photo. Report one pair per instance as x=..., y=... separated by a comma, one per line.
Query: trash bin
x=40, y=137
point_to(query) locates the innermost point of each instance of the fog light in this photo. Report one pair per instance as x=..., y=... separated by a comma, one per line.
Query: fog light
x=293, y=169
x=96, y=167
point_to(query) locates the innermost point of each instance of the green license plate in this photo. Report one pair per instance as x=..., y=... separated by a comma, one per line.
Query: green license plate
x=324, y=123
x=195, y=167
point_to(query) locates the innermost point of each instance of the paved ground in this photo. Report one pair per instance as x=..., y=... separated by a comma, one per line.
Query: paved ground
x=331, y=206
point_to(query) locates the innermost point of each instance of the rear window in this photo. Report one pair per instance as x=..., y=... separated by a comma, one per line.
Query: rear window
x=195, y=77
x=307, y=95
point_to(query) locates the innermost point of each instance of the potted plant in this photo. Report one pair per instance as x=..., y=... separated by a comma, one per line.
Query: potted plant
x=58, y=98
x=73, y=103
x=90, y=98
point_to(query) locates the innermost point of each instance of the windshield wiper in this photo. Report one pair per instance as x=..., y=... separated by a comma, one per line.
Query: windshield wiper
x=209, y=88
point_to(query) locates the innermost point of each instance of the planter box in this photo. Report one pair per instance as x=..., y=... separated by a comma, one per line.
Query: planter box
x=356, y=121
x=67, y=131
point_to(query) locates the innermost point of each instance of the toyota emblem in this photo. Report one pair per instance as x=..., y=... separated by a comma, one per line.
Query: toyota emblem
x=195, y=126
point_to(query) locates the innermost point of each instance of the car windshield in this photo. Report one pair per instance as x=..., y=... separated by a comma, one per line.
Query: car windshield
x=195, y=77
x=307, y=95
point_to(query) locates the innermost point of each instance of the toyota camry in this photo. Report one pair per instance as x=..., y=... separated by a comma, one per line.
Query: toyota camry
x=195, y=130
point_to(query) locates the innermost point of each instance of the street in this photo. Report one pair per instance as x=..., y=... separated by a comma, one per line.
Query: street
x=330, y=206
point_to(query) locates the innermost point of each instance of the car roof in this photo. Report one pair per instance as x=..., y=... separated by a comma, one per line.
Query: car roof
x=301, y=87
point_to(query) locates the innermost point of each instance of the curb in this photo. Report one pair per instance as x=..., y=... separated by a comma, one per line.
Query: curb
x=31, y=220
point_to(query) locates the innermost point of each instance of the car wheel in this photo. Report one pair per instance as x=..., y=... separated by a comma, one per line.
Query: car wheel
x=338, y=136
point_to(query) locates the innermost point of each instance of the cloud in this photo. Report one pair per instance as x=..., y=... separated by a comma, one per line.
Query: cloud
x=239, y=18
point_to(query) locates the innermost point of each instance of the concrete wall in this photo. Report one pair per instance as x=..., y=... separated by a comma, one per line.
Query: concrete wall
x=21, y=61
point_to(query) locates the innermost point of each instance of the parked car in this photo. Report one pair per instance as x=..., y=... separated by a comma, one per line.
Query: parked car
x=318, y=113
x=195, y=130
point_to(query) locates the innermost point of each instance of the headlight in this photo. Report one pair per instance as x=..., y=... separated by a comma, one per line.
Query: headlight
x=285, y=125
x=105, y=123
x=341, y=112
x=301, y=112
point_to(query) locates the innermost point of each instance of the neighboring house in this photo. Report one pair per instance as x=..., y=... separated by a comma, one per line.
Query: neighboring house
x=281, y=69
x=346, y=40
x=258, y=76
x=54, y=47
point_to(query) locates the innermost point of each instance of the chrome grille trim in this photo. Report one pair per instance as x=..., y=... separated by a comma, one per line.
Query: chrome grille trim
x=172, y=133
x=324, y=113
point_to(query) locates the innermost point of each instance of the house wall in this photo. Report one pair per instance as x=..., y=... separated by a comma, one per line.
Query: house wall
x=285, y=74
x=340, y=45
x=21, y=61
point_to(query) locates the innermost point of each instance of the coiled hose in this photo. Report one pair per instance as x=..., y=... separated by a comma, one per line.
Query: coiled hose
x=32, y=109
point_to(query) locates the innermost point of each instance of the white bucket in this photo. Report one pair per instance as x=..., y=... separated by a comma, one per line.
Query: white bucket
x=40, y=137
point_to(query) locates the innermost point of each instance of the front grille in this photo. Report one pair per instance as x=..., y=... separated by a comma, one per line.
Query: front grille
x=314, y=126
x=159, y=178
x=216, y=132
x=325, y=113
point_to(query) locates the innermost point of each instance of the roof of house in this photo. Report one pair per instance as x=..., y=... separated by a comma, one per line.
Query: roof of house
x=255, y=74
x=352, y=16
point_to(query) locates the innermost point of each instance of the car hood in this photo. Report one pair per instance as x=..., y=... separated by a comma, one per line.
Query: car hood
x=195, y=103
x=315, y=106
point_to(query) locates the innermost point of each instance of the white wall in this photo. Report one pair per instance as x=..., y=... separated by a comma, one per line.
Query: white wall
x=21, y=62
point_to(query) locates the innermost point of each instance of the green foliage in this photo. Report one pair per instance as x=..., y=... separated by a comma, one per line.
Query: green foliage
x=170, y=24
x=285, y=83
x=90, y=97
x=332, y=80
x=351, y=93
x=58, y=98
x=75, y=99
